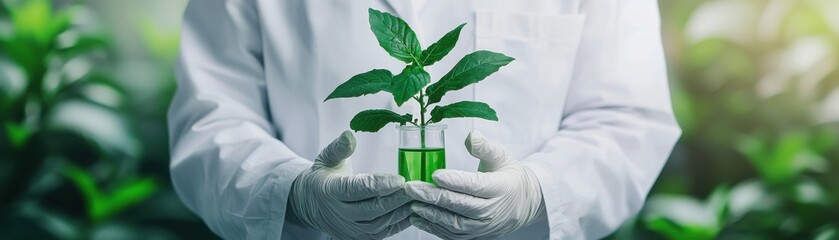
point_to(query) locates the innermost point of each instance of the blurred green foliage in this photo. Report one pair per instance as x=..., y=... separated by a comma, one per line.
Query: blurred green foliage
x=755, y=91
x=754, y=87
x=75, y=152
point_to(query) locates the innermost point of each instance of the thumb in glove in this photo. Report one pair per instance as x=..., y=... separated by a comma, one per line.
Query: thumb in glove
x=492, y=155
x=334, y=154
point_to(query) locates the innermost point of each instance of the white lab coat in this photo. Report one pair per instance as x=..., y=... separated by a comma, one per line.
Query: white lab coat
x=585, y=104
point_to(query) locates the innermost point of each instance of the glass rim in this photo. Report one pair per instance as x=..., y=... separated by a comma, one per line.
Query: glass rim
x=411, y=127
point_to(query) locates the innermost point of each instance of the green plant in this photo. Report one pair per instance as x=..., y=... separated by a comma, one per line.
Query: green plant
x=762, y=130
x=681, y=217
x=62, y=128
x=397, y=38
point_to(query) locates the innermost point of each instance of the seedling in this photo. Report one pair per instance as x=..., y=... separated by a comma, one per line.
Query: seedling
x=397, y=38
x=400, y=42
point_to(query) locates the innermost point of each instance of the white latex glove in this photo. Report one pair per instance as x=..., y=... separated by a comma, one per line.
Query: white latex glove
x=501, y=198
x=346, y=206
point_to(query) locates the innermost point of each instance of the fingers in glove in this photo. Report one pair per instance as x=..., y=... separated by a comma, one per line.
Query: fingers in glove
x=493, y=156
x=334, y=154
x=363, y=186
x=436, y=229
x=451, y=221
x=463, y=204
x=384, y=222
x=370, y=209
x=485, y=185
x=392, y=229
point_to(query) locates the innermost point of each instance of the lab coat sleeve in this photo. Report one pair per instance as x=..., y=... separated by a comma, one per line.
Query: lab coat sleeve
x=227, y=165
x=618, y=126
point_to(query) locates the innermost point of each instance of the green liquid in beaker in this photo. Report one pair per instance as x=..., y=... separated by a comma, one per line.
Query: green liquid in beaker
x=419, y=164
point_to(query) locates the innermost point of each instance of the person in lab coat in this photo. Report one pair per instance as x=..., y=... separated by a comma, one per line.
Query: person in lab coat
x=585, y=121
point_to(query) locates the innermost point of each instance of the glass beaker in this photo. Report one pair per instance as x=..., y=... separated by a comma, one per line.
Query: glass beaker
x=421, y=151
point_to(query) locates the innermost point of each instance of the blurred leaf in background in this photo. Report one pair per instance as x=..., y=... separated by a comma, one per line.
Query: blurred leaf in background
x=102, y=205
x=681, y=217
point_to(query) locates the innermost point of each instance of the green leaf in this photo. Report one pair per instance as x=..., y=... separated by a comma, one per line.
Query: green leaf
x=473, y=68
x=18, y=134
x=718, y=201
x=366, y=83
x=60, y=22
x=673, y=230
x=395, y=36
x=82, y=45
x=408, y=83
x=373, y=120
x=128, y=194
x=32, y=18
x=438, y=50
x=776, y=160
x=103, y=205
x=463, y=109
x=665, y=227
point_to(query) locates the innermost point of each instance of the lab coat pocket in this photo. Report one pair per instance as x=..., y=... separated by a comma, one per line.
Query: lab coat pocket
x=528, y=94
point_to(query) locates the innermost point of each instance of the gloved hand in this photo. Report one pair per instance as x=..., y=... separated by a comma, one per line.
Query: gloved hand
x=346, y=206
x=503, y=197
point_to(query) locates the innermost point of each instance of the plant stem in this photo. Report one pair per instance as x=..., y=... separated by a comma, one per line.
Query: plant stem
x=423, y=106
x=422, y=120
x=422, y=135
